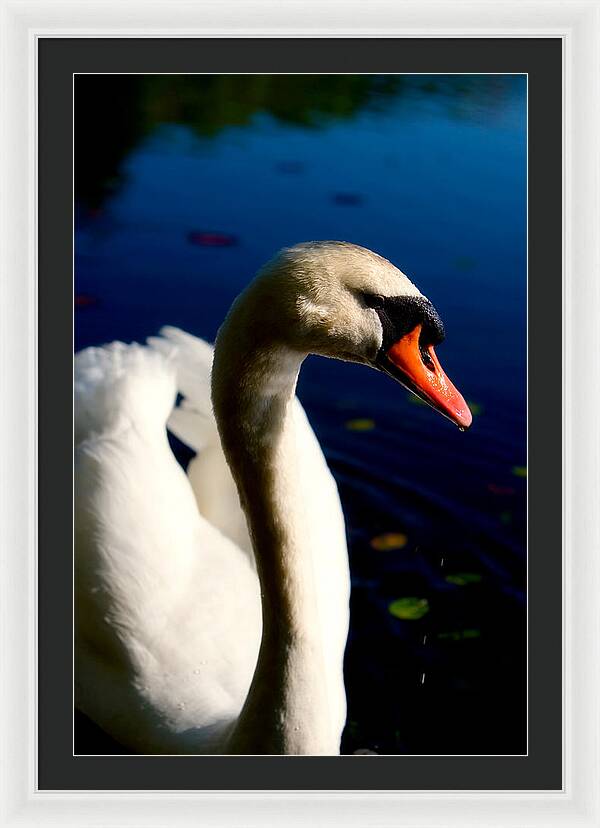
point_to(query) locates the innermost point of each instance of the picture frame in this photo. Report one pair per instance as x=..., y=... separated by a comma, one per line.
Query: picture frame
x=578, y=24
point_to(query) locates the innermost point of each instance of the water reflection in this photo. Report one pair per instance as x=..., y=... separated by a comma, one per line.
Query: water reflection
x=114, y=112
x=187, y=184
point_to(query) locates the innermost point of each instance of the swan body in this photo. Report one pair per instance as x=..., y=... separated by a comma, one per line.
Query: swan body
x=211, y=608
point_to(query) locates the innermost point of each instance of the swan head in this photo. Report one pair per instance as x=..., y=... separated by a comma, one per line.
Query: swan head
x=343, y=301
x=340, y=300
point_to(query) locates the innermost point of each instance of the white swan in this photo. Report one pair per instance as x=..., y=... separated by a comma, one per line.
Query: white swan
x=183, y=644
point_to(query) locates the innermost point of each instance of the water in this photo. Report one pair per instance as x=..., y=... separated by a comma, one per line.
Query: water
x=185, y=186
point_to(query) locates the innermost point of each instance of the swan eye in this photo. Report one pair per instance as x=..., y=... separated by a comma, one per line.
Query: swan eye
x=374, y=300
x=427, y=361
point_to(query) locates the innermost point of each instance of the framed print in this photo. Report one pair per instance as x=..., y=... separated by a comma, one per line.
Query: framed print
x=437, y=620
x=452, y=157
x=183, y=206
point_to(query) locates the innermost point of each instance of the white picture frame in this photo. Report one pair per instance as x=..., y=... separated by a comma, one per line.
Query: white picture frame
x=578, y=24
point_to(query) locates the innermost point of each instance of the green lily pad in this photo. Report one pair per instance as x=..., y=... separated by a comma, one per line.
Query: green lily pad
x=412, y=398
x=475, y=408
x=409, y=609
x=361, y=424
x=459, y=635
x=464, y=578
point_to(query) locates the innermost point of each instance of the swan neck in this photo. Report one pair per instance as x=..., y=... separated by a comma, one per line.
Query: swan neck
x=256, y=423
x=253, y=397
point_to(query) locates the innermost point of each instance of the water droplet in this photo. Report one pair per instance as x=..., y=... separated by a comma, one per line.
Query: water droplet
x=296, y=728
x=442, y=562
x=424, y=639
x=422, y=678
x=196, y=671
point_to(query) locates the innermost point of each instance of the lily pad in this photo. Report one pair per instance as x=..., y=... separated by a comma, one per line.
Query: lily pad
x=475, y=408
x=348, y=199
x=412, y=398
x=464, y=263
x=409, y=609
x=459, y=635
x=84, y=300
x=211, y=238
x=390, y=540
x=361, y=424
x=500, y=490
x=464, y=578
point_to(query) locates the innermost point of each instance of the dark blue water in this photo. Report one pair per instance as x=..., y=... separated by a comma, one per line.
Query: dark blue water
x=186, y=186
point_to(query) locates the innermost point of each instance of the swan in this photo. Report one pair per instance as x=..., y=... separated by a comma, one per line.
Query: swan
x=212, y=609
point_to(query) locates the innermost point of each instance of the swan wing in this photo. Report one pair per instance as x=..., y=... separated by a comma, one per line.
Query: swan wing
x=193, y=422
x=168, y=615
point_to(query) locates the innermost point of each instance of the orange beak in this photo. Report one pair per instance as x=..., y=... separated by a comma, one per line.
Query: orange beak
x=422, y=374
